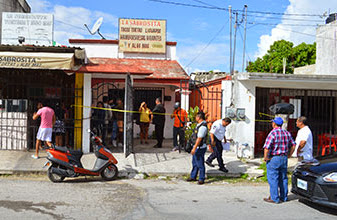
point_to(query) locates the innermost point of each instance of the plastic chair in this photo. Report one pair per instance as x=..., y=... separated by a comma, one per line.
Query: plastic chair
x=326, y=144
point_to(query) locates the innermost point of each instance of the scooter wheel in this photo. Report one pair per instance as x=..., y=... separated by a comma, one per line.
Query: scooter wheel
x=53, y=176
x=110, y=172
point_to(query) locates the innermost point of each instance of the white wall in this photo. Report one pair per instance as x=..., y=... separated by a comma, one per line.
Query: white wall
x=111, y=51
x=242, y=132
x=326, y=49
x=86, y=113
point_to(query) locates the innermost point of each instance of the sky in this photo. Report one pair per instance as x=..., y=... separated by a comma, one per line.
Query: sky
x=201, y=28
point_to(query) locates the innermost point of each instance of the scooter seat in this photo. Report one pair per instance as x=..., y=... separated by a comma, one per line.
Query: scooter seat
x=62, y=149
x=77, y=153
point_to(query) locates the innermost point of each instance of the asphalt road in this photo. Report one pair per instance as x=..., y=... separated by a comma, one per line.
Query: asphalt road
x=35, y=197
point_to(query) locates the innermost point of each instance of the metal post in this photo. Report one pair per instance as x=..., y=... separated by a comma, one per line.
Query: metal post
x=244, y=40
x=230, y=38
x=235, y=30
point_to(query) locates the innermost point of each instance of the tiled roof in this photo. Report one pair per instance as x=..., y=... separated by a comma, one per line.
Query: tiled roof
x=156, y=69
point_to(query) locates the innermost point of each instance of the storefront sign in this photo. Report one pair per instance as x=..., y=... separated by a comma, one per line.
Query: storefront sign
x=142, y=36
x=27, y=28
x=25, y=60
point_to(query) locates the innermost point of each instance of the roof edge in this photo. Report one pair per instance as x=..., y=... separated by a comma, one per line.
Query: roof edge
x=103, y=41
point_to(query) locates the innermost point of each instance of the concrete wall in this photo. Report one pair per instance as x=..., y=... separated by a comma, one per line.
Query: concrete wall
x=240, y=131
x=111, y=51
x=306, y=70
x=326, y=49
x=12, y=6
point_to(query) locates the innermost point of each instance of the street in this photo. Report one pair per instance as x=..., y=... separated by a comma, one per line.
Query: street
x=35, y=197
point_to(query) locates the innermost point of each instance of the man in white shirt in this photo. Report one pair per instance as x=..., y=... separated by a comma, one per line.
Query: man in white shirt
x=217, y=134
x=304, y=143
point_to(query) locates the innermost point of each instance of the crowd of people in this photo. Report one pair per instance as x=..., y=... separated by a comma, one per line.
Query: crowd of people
x=278, y=147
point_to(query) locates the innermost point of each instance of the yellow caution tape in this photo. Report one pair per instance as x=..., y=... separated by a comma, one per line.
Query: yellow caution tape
x=117, y=110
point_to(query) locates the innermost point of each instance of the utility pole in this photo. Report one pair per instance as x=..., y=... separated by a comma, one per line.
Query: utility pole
x=236, y=28
x=230, y=38
x=244, y=40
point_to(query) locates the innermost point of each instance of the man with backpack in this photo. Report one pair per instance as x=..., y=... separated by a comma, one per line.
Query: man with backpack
x=198, y=151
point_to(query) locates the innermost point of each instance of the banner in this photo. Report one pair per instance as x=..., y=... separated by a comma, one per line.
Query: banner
x=30, y=60
x=35, y=29
x=142, y=36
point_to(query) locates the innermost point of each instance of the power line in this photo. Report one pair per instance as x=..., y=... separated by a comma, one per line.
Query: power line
x=189, y=5
x=213, y=38
x=289, y=19
x=70, y=25
x=274, y=24
x=208, y=6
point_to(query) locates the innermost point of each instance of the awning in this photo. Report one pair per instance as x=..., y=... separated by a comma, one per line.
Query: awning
x=37, y=60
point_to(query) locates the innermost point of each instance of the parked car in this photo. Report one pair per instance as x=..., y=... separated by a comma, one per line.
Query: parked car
x=317, y=182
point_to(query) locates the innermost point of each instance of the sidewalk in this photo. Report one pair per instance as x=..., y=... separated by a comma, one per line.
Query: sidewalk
x=146, y=160
x=169, y=164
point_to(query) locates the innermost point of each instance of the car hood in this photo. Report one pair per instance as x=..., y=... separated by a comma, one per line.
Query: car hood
x=325, y=166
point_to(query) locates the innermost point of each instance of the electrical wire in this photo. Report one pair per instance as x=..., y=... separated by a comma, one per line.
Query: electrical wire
x=274, y=24
x=208, y=6
x=207, y=45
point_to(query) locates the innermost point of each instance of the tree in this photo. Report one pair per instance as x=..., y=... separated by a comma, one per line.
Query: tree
x=272, y=62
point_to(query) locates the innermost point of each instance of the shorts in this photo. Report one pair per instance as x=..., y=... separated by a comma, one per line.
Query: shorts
x=44, y=134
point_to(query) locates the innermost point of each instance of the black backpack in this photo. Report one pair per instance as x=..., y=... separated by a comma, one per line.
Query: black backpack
x=194, y=136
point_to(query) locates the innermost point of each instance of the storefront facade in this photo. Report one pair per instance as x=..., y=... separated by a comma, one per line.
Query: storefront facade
x=28, y=75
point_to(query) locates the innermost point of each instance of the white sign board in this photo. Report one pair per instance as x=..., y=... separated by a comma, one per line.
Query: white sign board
x=36, y=29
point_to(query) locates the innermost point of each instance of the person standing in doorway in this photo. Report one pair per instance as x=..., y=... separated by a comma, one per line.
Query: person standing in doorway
x=159, y=122
x=276, y=150
x=113, y=122
x=59, y=127
x=199, y=137
x=145, y=120
x=217, y=134
x=46, y=127
x=108, y=116
x=120, y=122
x=304, y=142
x=180, y=119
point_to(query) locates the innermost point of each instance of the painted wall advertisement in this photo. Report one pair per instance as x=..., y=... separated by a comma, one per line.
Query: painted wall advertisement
x=36, y=29
x=142, y=36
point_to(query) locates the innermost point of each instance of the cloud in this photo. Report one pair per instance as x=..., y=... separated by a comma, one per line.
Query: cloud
x=293, y=33
x=69, y=21
x=39, y=5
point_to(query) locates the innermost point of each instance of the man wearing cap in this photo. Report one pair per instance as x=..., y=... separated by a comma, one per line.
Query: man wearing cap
x=180, y=119
x=217, y=134
x=276, y=150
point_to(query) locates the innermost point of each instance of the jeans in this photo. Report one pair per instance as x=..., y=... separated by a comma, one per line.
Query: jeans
x=217, y=153
x=198, y=164
x=277, y=178
x=114, y=130
x=159, y=129
x=181, y=133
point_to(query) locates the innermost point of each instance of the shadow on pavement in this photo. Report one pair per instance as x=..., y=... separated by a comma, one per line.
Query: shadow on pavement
x=319, y=208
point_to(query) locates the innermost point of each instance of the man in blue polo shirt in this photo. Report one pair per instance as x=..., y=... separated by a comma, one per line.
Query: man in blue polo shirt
x=276, y=150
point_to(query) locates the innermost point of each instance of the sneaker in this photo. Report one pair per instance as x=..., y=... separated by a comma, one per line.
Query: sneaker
x=141, y=142
x=189, y=179
x=114, y=144
x=35, y=157
x=223, y=170
x=209, y=163
x=200, y=182
x=175, y=149
x=120, y=145
x=146, y=142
